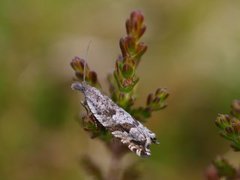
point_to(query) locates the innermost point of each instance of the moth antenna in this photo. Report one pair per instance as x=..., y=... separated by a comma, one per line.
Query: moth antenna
x=85, y=62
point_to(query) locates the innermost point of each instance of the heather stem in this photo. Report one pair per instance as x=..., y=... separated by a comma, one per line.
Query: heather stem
x=114, y=169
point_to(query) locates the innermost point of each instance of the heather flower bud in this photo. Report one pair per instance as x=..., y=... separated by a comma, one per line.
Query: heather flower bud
x=212, y=173
x=236, y=108
x=236, y=127
x=134, y=25
x=93, y=77
x=78, y=66
x=229, y=125
x=123, y=47
x=149, y=99
x=229, y=130
x=128, y=71
x=236, y=105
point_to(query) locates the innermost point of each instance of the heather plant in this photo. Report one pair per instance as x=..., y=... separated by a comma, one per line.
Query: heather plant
x=122, y=88
x=229, y=128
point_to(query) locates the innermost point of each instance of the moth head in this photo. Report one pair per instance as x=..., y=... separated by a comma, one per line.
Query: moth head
x=154, y=140
x=78, y=86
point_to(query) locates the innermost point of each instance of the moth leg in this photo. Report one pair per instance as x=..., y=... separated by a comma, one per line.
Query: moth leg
x=89, y=113
x=84, y=116
x=89, y=119
x=147, y=144
x=84, y=104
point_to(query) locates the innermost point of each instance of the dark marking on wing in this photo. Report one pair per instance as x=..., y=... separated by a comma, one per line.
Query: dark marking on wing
x=140, y=143
x=111, y=112
x=107, y=112
x=121, y=127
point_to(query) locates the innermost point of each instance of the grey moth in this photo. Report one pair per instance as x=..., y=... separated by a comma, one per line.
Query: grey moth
x=116, y=120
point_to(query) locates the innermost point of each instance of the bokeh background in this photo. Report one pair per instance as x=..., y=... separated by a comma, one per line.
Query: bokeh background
x=194, y=51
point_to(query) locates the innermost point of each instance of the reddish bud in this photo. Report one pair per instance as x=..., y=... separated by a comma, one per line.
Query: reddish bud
x=223, y=119
x=236, y=127
x=137, y=15
x=134, y=25
x=163, y=94
x=79, y=75
x=117, y=67
x=142, y=31
x=236, y=108
x=77, y=64
x=227, y=118
x=127, y=82
x=93, y=77
x=149, y=99
x=217, y=124
x=128, y=26
x=236, y=105
x=156, y=100
x=229, y=130
x=158, y=91
x=212, y=173
x=123, y=47
x=129, y=43
x=141, y=48
x=128, y=71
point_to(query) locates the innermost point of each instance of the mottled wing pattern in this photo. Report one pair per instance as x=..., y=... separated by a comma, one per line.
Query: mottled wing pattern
x=119, y=122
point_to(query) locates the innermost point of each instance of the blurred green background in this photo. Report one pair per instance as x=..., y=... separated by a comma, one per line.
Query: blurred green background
x=194, y=51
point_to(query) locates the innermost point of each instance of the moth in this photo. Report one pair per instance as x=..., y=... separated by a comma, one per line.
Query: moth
x=116, y=120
